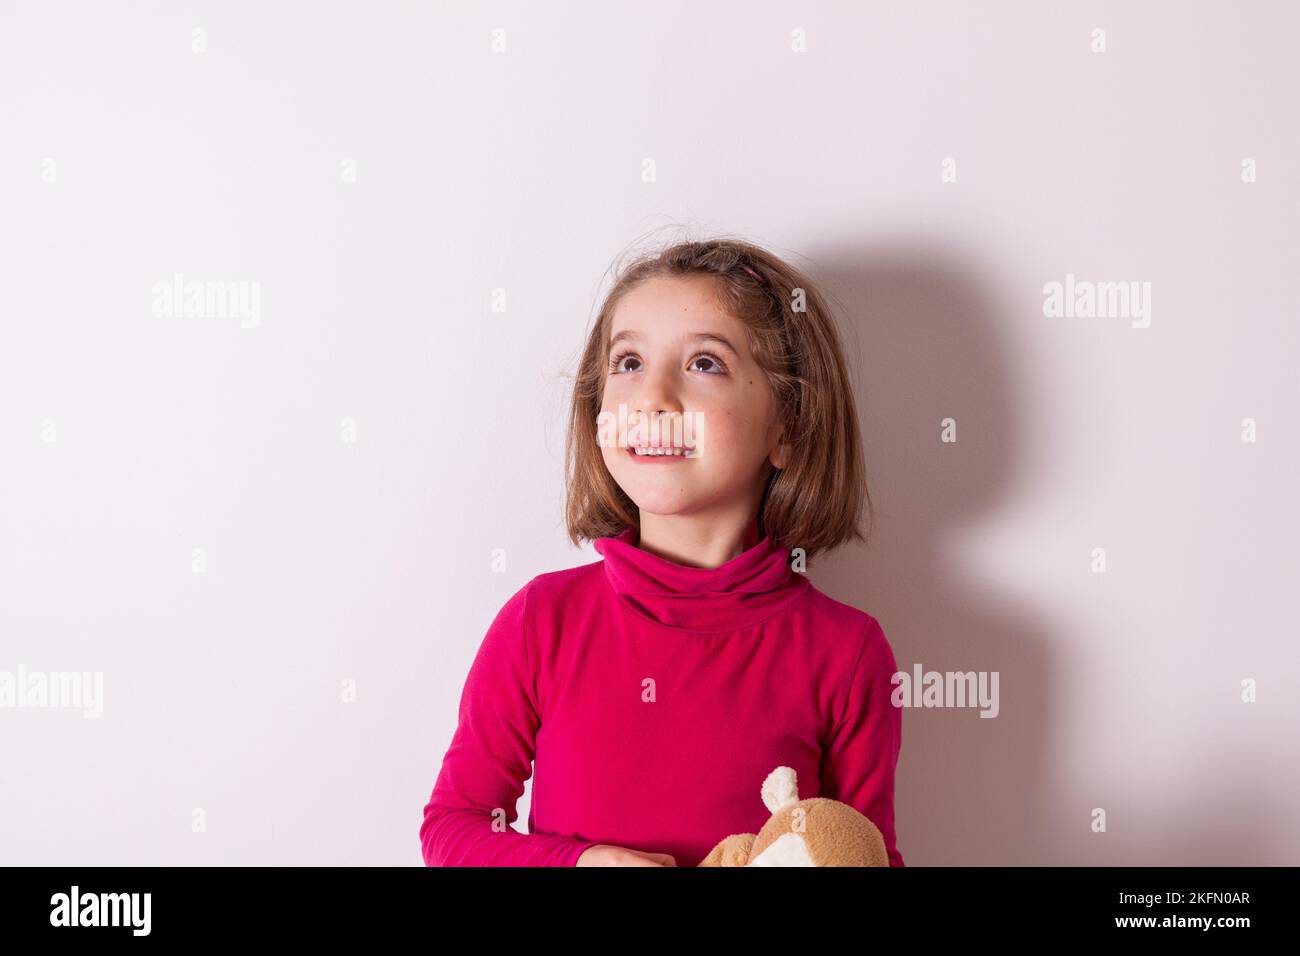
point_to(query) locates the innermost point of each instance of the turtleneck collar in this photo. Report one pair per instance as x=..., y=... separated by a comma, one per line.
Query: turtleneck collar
x=747, y=589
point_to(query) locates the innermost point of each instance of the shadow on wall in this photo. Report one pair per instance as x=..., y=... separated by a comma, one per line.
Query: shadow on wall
x=922, y=343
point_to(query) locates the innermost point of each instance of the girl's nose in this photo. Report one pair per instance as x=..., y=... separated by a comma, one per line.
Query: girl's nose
x=656, y=395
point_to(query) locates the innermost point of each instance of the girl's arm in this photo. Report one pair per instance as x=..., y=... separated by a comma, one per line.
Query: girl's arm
x=468, y=816
x=859, y=760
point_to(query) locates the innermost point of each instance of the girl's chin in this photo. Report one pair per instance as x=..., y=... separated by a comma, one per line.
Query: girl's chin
x=664, y=504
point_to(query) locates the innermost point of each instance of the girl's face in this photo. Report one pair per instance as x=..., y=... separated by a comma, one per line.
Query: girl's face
x=675, y=351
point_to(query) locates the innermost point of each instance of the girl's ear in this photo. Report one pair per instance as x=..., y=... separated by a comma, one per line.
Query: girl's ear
x=779, y=456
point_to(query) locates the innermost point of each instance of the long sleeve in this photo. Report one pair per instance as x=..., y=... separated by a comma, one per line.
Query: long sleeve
x=860, y=757
x=466, y=820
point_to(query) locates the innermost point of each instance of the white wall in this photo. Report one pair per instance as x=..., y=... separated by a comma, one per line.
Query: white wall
x=369, y=561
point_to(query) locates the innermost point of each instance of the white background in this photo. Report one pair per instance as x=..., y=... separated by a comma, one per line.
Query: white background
x=522, y=170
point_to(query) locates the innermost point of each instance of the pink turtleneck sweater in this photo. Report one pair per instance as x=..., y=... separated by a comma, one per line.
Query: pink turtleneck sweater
x=651, y=701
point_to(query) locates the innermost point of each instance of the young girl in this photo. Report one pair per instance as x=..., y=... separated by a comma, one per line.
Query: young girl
x=654, y=690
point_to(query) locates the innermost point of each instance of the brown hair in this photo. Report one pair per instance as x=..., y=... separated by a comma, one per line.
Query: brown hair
x=814, y=503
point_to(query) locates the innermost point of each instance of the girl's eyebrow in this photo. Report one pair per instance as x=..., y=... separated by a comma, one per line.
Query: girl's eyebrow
x=630, y=335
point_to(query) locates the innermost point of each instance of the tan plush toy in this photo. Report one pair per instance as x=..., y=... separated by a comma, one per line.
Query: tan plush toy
x=812, y=832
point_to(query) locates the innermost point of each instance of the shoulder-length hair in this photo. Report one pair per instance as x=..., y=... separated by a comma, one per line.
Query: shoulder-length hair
x=817, y=501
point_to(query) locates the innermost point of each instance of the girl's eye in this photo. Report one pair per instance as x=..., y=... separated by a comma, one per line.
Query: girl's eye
x=712, y=366
x=617, y=359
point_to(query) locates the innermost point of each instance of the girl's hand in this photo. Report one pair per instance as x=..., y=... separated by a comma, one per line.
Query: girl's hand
x=603, y=854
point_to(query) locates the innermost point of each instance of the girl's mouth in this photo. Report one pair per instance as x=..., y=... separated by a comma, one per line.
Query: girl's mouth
x=660, y=454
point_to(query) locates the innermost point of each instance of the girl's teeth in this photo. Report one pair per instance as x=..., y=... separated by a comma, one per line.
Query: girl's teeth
x=659, y=451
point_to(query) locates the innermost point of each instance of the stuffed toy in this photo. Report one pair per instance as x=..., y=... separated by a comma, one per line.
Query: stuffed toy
x=812, y=832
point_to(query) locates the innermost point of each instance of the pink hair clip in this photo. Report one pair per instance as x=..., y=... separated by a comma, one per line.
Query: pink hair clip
x=761, y=280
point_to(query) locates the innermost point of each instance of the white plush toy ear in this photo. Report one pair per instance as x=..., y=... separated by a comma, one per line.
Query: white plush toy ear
x=780, y=789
